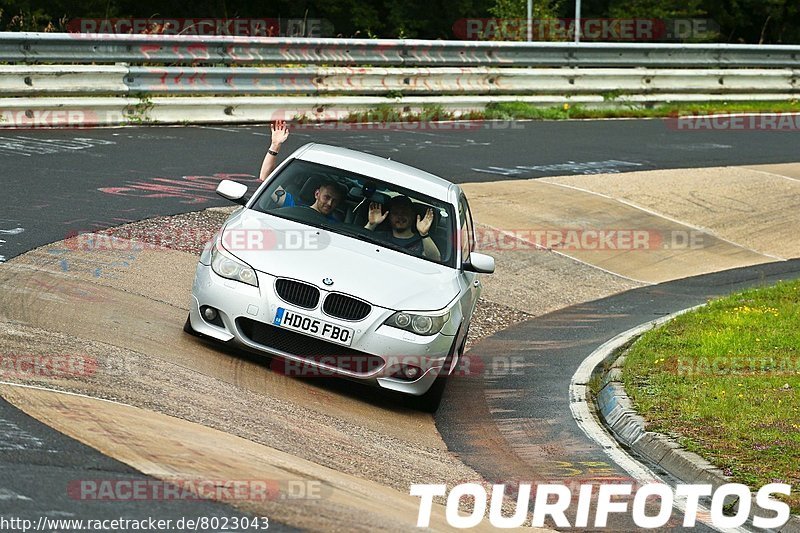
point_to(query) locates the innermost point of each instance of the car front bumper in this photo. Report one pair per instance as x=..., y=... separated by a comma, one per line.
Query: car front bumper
x=246, y=315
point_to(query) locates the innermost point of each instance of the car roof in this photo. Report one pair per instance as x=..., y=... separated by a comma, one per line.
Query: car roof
x=378, y=167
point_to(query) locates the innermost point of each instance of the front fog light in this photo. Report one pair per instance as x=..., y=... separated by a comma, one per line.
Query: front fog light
x=212, y=316
x=407, y=372
x=410, y=372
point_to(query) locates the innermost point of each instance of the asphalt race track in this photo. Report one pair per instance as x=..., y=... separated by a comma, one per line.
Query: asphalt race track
x=517, y=430
x=510, y=426
x=37, y=463
x=52, y=179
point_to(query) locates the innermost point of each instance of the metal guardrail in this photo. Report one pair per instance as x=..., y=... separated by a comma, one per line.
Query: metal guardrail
x=80, y=79
x=51, y=80
x=30, y=47
x=111, y=111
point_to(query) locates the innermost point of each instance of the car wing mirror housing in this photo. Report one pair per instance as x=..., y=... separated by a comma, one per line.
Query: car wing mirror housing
x=233, y=191
x=481, y=263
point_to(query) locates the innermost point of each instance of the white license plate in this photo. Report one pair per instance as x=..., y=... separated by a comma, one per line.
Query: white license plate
x=313, y=326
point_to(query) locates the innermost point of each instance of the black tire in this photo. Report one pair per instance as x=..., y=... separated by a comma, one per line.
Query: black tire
x=431, y=400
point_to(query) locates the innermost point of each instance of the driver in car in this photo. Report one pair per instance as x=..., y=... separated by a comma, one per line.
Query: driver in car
x=401, y=218
x=326, y=198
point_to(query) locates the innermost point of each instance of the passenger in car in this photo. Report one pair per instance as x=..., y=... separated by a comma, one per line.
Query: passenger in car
x=401, y=215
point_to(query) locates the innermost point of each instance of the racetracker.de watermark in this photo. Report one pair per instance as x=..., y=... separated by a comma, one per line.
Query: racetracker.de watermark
x=252, y=490
x=71, y=117
x=736, y=122
x=233, y=240
x=242, y=27
x=26, y=365
x=48, y=118
x=403, y=118
x=591, y=29
x=737, y=365
x=318, y=119
x=468, y=365
x=402, y=124
x=332, y=120
x=587, y=239
x=488, y=239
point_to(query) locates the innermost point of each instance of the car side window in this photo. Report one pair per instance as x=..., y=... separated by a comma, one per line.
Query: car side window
x=470, y=226
x=467, y=237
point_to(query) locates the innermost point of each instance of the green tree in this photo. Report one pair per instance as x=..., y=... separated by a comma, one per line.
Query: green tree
x=740, y=21
x=517, y=11
x=656, y=9
x=519, y=8
x=757, y=21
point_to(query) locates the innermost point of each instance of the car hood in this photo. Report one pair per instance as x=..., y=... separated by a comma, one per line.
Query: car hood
x=381, y=276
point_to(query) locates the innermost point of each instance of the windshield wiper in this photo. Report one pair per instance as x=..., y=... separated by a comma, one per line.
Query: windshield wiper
x=329, y=227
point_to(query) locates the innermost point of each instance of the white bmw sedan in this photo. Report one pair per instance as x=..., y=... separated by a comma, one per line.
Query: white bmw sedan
x=345, y=264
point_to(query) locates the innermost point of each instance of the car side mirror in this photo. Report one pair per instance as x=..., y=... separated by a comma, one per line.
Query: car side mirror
x=233, y=191
x=481, y=263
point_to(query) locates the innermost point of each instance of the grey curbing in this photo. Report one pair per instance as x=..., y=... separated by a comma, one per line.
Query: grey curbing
x=616, y=410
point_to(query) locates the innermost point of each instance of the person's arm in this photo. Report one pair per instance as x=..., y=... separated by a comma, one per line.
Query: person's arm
x=376, y=216
x=279, y=134
x=282, y=198
x=429, y=248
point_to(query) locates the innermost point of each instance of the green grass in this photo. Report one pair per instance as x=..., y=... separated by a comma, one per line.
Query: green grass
x=725, y=380
x=522, y=110
x=389, y=113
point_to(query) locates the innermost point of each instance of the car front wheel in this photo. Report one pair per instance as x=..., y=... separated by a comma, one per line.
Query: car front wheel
x=432, y=399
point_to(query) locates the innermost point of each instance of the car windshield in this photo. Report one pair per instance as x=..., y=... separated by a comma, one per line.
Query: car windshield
x=340, y=201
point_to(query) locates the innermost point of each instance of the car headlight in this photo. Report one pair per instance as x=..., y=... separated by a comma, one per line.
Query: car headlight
x=205, y=255
x=229, y=267
x=418, y=323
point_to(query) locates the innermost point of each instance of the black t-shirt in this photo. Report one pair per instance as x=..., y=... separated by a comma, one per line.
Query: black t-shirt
x=412, y=244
